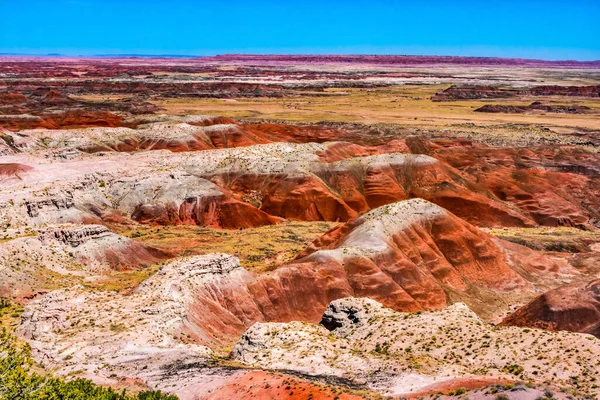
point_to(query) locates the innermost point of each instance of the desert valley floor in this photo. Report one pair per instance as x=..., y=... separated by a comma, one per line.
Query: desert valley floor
x=304, y=227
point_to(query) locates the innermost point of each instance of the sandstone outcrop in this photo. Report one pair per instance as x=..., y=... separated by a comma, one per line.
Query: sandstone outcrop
x=117, y=337
x=96, y=245
x=153, y=198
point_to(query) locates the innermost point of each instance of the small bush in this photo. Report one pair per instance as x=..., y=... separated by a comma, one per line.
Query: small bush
x=514, y=369
x=457, y=392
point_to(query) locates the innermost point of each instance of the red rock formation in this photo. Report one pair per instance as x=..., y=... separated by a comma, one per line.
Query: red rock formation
x=293, y=133
x=423, y=256
x=13, y=170
x=82, y=119
x=52, y=108
x=554, y=186
x=213, y=120
x=338, y=151
x=341, y=191
x=215, y=212
x=8, y=98
x=471, y=92
x=555, y=90
x=140, y=143
x=52, y=97
x=65, y=120
x=227, y=136
x=223, y=133
x=487, y=186
x=574, y=308
x=305, y=198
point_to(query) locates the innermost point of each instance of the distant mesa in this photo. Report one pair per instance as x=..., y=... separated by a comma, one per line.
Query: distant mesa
x=401, y=60
x=534, y=108
x=475, y=92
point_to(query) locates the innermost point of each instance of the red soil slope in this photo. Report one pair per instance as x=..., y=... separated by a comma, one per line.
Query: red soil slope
x=13, y=170
x=552, y=185
x=261, y=385
x=340, y=192
x=215, y=212
x=574, y=308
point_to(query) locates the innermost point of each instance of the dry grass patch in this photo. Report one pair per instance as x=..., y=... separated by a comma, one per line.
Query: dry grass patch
x=259, y=249
x=121, y=281
x=562, y=239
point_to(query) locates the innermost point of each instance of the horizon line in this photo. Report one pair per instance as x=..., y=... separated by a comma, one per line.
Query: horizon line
x=378, y=55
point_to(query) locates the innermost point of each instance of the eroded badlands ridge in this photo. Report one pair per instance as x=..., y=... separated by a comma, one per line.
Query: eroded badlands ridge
x=410, y=255
x=332, y=181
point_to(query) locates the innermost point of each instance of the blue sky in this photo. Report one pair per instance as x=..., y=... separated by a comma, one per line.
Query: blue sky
x=530, y=29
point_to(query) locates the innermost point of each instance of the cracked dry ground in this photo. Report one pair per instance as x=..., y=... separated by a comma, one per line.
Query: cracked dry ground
x=348, y=230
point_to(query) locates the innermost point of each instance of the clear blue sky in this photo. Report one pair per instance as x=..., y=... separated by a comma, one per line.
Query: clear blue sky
x=550, y=29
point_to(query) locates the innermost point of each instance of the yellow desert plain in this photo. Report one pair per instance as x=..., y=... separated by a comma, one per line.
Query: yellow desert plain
x=404, y=104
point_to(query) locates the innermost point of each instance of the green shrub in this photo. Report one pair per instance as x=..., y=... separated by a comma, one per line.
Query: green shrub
x=514, y=369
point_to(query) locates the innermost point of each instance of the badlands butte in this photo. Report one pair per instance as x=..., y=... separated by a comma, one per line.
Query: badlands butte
x=303, y=227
